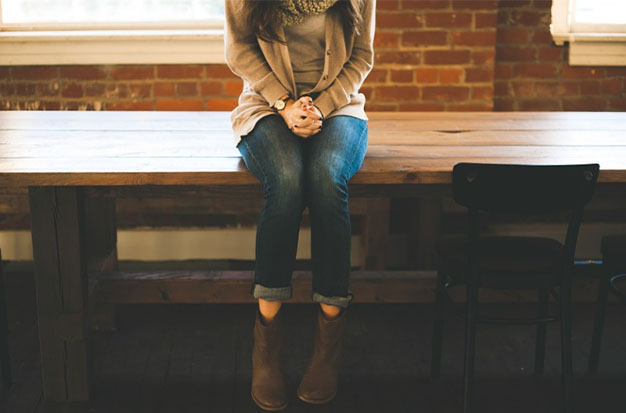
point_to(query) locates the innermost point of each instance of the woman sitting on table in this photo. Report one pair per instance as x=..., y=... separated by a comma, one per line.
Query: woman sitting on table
x=302, y=131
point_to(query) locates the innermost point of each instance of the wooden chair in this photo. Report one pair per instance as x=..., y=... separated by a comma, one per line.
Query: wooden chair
x=613, y=268
x=5, y=361
x=508, y=262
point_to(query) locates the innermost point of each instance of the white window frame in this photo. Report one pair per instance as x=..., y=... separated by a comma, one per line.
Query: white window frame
x=114, y=43
x=589, y=45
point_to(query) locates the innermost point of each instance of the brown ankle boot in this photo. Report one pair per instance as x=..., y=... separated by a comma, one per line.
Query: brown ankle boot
x=268, y=384
x=319, y=383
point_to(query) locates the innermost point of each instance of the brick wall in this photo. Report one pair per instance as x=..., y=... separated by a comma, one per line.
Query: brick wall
x=533, y=74
x=430, y=55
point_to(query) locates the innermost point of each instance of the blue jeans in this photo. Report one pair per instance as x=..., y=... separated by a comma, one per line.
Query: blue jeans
x=295, y=173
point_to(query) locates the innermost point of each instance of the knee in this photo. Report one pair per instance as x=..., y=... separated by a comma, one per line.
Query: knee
x=328, y=186
x=285, y=189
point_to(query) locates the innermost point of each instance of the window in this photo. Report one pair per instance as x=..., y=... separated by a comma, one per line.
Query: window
x=595, y=30
x=111, y=31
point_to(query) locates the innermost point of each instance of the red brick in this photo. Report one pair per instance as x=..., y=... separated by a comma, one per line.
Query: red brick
x=388, y=5
x=589, y=87
x=471, y=108
x=187, y=89
x=612, y=86
x=133, y=72
x=479, y=75
x=72, y=90
x=450, y=75
x=397, y=93
x=546, y=89
x=516, y=54
x=475, y=4
x=401, y=58
x=523, y=89
x=45, y=105
x=382, y=39
x=425, y=38
x=429, y=107
x=141, y=91
x=179, y=104
x=445, y=93
x=427, y=75
x=93, y=89
x=25, y=89
x=5, y=73
x=50, y=89
x=584, y=104
x=542, y=36
x=505, y=104
x=474, y=38
x=82, y=72
x=34, y=72
x=484, y=20
x=164, y=89
x=6, y=89
x=425, y=4
x=369, y=106
x=446, y=57
x=179, y=72
x=377, y=75
x=211, y=88
x=569, y=72
x=129, y=106
x=116, y=90
x=569, y=89
x=535, y=70
x=396, y=20
x=539, y=105
x=618, y=104
x=512, y=35
x=502, y=89
x=233, y=88
x=221, y=104
x=615, y=71
x=551, y=54
x=367, y=91
x=402, y=76
x=504, y=71
x=530, y=18
x=448, y=20
x=77, y=105
x=220, y=72
x=482, y=92
x=483, y=57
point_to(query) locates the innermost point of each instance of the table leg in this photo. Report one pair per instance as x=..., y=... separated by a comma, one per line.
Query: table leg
x=375, y=234
x=101, y=246
x=61, y=291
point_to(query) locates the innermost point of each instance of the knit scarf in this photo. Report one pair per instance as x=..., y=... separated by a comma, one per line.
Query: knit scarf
x=294, y=11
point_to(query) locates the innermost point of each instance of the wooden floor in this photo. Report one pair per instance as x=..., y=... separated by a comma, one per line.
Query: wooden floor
x=196, y=358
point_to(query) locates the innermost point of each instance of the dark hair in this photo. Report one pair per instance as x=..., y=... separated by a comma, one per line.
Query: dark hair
x=263, y=17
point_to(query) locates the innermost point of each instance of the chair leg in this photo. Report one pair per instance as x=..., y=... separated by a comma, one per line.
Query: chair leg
x=598, y=324
x=437, y=340
x=4, y=333
x=566, y=345
x=470, y=347
x=540, y=344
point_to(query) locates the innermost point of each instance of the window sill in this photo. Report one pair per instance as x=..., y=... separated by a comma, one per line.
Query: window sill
x=594, y=49
x=111, y=47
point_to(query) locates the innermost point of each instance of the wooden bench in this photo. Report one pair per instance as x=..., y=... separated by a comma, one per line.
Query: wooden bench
x=76, y=164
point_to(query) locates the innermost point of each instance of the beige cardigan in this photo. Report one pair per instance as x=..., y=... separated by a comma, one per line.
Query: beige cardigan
x=267, y=75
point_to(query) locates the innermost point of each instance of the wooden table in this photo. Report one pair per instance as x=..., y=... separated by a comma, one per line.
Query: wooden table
x=76, y=163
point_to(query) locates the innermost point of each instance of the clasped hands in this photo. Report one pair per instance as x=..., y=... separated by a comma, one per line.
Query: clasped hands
x=302, y=117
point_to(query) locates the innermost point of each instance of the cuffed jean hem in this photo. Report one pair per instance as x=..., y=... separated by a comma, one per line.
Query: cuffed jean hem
x=270, y=293
x=338, y=301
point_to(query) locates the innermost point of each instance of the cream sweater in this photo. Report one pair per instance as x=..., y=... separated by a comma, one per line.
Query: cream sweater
x=267, y=73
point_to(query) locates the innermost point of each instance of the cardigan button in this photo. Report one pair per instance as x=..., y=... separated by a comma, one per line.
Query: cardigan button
x=325, y=77
x=328, y=51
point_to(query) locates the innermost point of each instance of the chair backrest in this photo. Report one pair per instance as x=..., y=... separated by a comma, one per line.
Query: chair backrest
x=523, y=188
